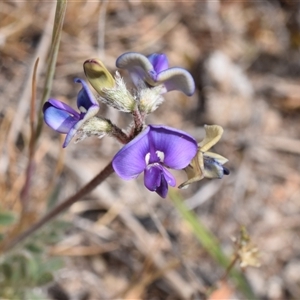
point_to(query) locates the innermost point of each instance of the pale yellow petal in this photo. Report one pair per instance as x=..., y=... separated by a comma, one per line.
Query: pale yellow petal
x=217, y=157
x=213, y=135
x=212, y=167
x=213, y=171
x=192, y=180
x=97, y=74
x=194, y=170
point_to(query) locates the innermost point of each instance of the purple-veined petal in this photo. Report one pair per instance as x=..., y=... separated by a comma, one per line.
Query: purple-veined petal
x=159, y=61
x=162, y=190
x=178, y=147
x=85, y=97
x=58, y=119
x=61, y=106
x=157, y=178
x=152, y=176
x=129, y=162
x=177, y=79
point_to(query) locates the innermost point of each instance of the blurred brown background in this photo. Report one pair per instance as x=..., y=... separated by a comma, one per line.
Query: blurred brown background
x=245, y=59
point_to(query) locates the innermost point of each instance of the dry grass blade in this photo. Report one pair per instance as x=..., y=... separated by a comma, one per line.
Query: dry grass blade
x=41, y=52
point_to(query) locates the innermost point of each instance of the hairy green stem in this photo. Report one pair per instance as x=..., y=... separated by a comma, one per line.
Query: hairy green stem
x=118, y=133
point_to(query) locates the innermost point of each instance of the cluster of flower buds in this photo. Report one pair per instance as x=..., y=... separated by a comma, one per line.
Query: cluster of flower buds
x=152, y=149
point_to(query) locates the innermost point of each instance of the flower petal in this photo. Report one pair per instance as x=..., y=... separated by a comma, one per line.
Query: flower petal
x=213, y=165
x=213, y=135
x=152, y=177
x=162, y=190
x=61, y=106
x=85, y=97
x=97, y=74
x=212, y=169
x=69, y=136
x=178, y=147
x=217, y=157
x=194, y=171
x=131, y=60
x=169, y=177
x=177, y=79
x=129, y=162
x=159, y=61
x=58, y=119
x=139, y=67
x=157, y=178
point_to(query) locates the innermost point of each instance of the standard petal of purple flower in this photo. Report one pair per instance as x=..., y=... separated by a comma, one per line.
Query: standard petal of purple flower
x=130, y=161
x=177, y=79
x=159, y=61
x=85, y=97
x=178, y=147
x=58, y=119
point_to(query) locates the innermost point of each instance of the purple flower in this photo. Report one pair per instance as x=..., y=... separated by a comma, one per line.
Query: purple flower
x=154, y=70
x=64, y=119
x=153, y=151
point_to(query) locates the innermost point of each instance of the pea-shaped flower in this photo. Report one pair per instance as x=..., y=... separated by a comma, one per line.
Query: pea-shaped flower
x=207, y=164
x=154, y=70
x=64, y=119
x=152, y=152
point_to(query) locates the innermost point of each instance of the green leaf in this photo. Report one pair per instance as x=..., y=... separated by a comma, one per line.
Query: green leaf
x=45, y=278
x=7, y=218
x=34, y=248
x=6, y=270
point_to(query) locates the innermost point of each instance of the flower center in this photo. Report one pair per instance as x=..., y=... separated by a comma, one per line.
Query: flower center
x=160, y=156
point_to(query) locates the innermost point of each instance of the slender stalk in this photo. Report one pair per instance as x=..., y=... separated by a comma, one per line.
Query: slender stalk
x=229, y=268
x=56, y=35
x=106, y=172
x=139, y=121
x=29, y=170
x=101, y=29
x=118, y=133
